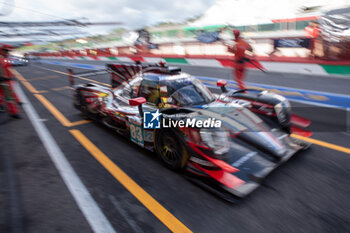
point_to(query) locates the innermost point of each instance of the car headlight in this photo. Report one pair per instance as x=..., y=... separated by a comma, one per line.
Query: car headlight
x=216, y=140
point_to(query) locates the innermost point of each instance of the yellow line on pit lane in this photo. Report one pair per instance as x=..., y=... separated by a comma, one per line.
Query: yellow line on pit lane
x=24, y=81
x=87, y=79
x=61, y=88
x=146, y=199
x=57, y=114
x=49, y=106
x=43, y=78
x=323, y=144
x=54, y=111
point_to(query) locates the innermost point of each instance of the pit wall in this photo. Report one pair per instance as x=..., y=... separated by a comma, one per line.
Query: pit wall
x=282, y=65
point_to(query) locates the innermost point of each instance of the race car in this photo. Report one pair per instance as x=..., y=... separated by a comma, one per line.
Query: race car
x=227, y=143
x=17, y=61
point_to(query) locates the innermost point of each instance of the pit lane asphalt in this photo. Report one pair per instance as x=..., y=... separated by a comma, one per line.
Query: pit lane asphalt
x=307, y=194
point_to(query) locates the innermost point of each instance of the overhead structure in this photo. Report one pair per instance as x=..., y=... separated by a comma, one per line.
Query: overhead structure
x=11, y=35
x=16, y=32
x=60, y=23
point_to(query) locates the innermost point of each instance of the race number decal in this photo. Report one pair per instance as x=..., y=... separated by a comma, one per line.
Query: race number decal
x=136, y=134
x=148, y=136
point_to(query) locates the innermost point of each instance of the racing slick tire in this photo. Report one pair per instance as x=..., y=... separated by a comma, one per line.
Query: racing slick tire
x=171, y=150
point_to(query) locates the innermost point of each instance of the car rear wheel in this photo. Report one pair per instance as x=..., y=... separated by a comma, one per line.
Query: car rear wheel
x=171, y=149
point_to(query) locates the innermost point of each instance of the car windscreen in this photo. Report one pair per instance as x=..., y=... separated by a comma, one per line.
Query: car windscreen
x=186, y=91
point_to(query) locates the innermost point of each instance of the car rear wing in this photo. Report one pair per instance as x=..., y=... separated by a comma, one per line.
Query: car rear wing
x=120, y=72
x=123, y=72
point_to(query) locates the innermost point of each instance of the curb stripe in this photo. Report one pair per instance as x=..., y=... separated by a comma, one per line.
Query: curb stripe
x=337, y=69
x=176, y=60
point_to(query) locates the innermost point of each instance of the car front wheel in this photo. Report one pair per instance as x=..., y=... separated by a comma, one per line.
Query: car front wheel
x=171, y=150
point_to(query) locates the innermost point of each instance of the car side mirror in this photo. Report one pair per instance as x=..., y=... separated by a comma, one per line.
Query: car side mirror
x=222, y=84
x=137, y=101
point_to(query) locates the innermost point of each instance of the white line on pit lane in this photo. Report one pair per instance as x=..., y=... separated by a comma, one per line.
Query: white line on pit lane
x=93, y=214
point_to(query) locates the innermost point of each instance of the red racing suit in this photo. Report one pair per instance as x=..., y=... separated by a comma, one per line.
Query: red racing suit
x=7, y=94
x=239, y=50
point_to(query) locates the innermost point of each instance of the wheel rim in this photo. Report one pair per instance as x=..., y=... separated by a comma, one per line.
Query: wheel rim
x=169, y=150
